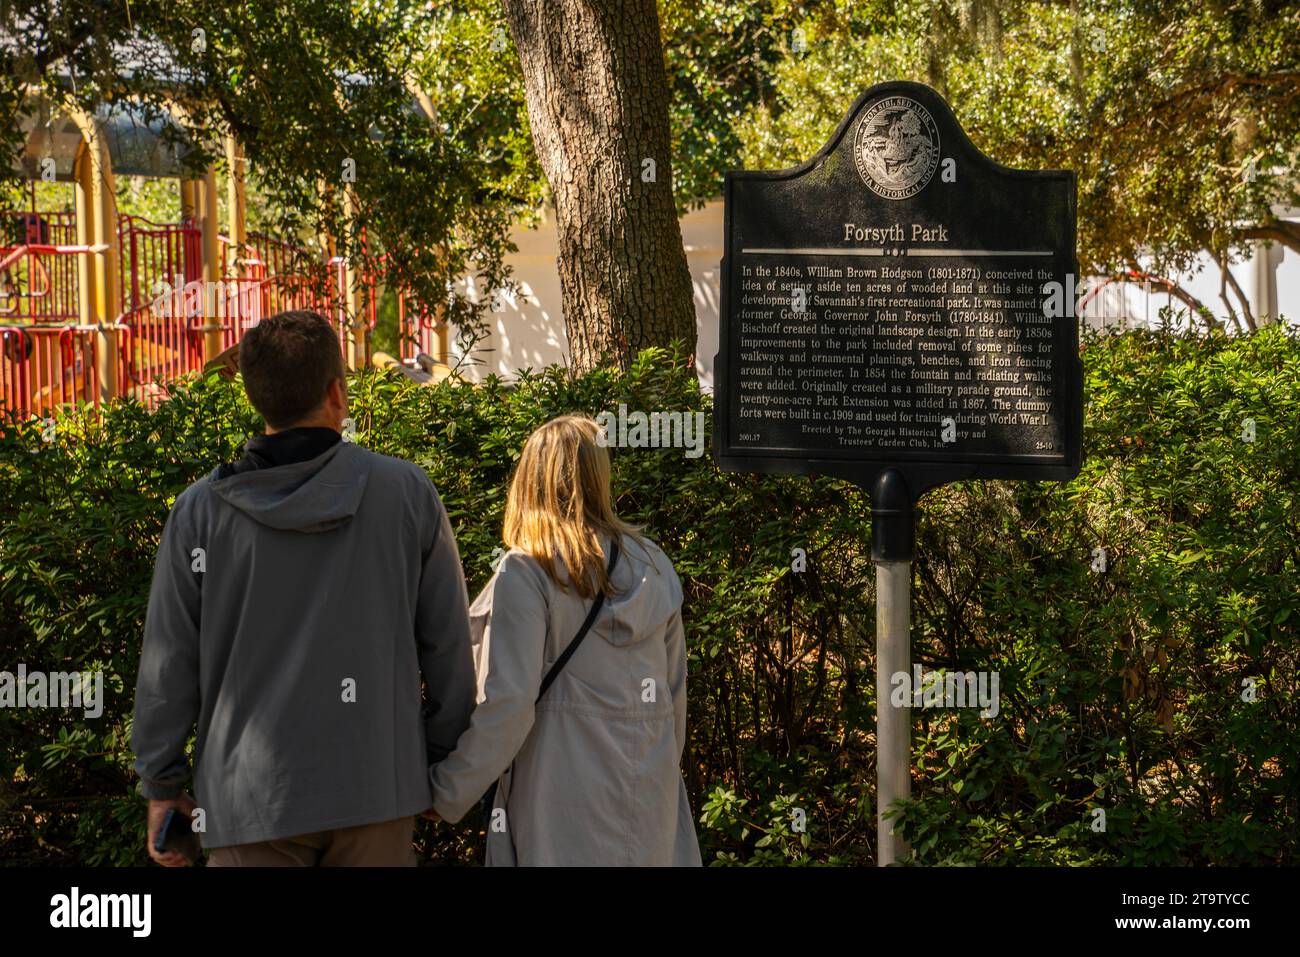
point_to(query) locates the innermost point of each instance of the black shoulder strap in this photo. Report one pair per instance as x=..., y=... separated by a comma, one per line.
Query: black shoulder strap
x=565, y=655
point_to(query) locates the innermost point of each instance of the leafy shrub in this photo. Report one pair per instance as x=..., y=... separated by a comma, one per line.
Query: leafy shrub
x=1121, y=690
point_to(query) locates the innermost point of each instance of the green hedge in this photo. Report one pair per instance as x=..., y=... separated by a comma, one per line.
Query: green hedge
x=1121, y=691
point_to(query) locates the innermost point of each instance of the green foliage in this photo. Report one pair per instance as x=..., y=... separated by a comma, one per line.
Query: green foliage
x=1122, y=690
x=1180, y=118
x=82, y=518
x=721, y=58
x=320, y=95
x=1119, y=690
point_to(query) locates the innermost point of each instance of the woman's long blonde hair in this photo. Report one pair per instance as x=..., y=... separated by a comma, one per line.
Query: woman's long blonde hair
x=559, y=502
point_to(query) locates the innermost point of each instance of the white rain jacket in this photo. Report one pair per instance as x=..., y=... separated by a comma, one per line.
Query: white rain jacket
x=591, y=775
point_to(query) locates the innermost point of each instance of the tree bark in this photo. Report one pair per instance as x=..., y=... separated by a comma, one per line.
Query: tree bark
x=597, y=97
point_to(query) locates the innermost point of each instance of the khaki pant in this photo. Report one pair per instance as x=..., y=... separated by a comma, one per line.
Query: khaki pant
x=386, y=844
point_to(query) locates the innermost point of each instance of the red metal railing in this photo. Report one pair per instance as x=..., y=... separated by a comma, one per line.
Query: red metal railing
x=47, y=359
x=243, y=303
x=419, y=330
x=162, y=299
x=154, y=256
x=278, y=257
x=274, y=276
x=38, y=280
x=419, y=326
x=15, y=350
x=45, y=366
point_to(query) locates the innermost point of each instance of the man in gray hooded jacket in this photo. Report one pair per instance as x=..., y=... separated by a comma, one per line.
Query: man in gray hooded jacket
x=298, y=597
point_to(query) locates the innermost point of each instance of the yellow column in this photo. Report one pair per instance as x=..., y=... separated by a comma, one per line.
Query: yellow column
x=236, y=209
x=330, y=248
x=444, y=349
x=354, y=299
x=440, y=312
x=209, y=229
x=84, y=205
x=189, y=204
x=97, y=191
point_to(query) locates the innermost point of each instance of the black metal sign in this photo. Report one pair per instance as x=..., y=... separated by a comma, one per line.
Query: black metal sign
x=899, y=302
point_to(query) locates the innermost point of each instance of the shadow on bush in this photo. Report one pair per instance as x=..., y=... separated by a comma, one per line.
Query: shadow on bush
x=1126, y=732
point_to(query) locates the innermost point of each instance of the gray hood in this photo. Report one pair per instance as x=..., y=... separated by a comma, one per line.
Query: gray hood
x=313, y=496
x=646, y=594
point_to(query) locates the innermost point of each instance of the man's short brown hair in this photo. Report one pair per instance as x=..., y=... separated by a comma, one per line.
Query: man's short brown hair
x=288, y=363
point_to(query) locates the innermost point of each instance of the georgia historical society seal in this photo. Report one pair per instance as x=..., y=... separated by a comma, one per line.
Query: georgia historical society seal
x=896, y=147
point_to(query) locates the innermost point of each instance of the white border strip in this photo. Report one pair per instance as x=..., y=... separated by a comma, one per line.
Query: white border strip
x=824, y=251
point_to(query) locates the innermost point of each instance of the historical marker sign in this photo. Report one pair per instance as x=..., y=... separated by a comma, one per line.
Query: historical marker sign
x=899, y=301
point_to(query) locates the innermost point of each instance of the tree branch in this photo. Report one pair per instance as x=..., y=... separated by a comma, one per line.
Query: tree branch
x=1241, y=297
x=1274, y=231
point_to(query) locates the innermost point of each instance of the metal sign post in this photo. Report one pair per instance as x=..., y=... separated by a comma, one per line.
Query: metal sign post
x=892, y=534
x=893, y=313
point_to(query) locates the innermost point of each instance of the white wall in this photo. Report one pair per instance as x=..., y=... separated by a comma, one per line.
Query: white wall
x=527, y=331
x=1269, y=277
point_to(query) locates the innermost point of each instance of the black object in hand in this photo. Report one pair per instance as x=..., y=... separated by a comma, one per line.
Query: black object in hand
x=177, y=834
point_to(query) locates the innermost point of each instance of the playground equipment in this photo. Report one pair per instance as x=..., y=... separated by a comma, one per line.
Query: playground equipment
x=95, y=304
x=1106, y=303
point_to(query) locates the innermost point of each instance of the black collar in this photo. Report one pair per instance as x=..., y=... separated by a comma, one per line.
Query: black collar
x=282, y=448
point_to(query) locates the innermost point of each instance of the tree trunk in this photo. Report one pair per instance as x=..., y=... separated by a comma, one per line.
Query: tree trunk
x=597, y=99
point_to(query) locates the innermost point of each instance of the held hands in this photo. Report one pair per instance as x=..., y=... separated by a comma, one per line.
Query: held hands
x=157, y=812
x=430, y=815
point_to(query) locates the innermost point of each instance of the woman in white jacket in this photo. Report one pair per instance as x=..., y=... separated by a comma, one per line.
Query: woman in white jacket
x=590, y=774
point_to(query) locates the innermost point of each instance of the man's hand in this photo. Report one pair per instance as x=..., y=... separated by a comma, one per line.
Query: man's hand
x=430, y=815
x=157, y=811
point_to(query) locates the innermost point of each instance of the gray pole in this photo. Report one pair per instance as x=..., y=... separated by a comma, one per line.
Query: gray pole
x=892, y=533
x=893, y=725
